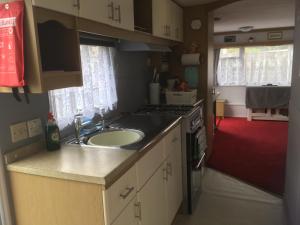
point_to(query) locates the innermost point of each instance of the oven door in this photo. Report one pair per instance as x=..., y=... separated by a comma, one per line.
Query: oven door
x=195, y=159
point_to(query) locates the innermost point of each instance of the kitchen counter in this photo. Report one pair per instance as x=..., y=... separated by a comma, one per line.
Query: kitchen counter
x=97, y=165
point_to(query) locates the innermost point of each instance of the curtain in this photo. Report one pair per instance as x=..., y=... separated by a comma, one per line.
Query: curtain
x=216, y=64
x=256, y=66
x=98, y=94
x=269, y=65
x=230, y=68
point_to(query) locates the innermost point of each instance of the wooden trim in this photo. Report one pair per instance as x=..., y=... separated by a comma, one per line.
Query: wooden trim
x=89, y=26
x=47, y=201
x=254, y=31
x=267, y=43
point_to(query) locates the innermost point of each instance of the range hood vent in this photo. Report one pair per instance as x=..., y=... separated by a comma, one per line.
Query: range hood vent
x=142, y=47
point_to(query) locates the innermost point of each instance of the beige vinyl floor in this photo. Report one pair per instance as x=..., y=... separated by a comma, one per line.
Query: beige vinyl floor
x=227, y=201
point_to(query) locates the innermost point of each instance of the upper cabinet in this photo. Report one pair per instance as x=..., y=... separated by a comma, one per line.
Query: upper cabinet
x=70, y=7
x=117, y=13
x=176, y=22
x=123, y=14
x=167, y=19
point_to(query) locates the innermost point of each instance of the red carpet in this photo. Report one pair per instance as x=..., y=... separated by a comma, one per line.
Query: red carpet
x=254, y=152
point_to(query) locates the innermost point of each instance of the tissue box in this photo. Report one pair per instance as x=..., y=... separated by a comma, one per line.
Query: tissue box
x=181, y=98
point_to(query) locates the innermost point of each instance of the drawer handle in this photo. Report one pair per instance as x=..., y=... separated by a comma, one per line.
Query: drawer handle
x=127, y=193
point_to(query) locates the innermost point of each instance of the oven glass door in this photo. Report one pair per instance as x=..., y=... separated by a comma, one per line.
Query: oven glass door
x=195, y=157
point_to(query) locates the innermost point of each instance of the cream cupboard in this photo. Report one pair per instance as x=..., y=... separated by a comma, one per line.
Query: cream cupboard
x=118, y=13
x=167, y=16
x=148, y=193
x=167, y=19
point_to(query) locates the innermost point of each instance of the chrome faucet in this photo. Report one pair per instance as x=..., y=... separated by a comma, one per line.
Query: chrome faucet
x=78, y=126
x=102, y=112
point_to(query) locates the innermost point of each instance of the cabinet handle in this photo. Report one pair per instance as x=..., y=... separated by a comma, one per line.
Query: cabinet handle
x=118, y=9
x=76, y=4
x=170, y=169
x=127, y=193
x=138, y=210
x=112, y=11
x=165, y=176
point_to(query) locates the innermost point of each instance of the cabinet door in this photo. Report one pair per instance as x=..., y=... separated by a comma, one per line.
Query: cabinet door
x=177, y=22
x=129, y=215
x=174, y=181
x=122, y=15
x=96, y=10
x=161, y=16
x=152, y=200
x=65, y=6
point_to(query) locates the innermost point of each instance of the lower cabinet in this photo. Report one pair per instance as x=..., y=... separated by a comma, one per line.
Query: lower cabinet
x=161, y=196
x=152, y=200
x=149, y=193
x=173, y=187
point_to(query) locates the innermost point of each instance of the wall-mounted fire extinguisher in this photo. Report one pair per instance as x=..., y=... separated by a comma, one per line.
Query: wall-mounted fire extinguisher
x=12, y=47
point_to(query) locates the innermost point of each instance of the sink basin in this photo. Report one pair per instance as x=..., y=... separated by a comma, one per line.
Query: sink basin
x=116, y=138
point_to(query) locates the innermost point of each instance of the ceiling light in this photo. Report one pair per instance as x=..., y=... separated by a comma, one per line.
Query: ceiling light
x=246, y=29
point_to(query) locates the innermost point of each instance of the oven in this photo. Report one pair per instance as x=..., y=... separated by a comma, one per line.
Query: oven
x=193, y=146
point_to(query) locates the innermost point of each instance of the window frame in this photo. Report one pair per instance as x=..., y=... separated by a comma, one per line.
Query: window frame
x=242, y=58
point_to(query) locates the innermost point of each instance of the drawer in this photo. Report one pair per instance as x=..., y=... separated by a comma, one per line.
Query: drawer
x=149, y=163
x=172, y=140
x=117, y=197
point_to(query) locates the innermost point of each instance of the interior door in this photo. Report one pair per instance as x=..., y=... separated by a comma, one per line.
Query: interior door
x=96, y=10
x=152, y=200
x=64, y=6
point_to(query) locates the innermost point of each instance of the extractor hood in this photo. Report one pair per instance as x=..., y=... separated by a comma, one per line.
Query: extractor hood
x=130, y=46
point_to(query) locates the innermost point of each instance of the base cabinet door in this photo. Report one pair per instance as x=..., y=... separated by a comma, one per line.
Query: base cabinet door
x=152, y=200
x=173, y=165
x=130, y=215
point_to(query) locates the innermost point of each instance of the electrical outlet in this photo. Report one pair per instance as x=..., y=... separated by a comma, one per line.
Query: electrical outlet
x=34, y=127
x=18, y=132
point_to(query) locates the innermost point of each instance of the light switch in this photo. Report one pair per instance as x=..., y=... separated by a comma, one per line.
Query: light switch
x=34, y=127
x=18, y=132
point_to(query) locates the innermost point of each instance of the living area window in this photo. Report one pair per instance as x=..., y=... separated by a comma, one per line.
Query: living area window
x=255, y=66
x=98, y=94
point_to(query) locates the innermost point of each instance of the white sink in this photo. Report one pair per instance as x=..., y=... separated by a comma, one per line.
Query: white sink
x=116, y=138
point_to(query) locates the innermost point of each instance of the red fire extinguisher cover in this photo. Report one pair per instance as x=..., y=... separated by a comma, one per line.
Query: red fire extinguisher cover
x=11, y=44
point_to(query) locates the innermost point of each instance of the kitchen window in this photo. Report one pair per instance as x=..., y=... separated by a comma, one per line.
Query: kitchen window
x=255, y=66
x=98, y=94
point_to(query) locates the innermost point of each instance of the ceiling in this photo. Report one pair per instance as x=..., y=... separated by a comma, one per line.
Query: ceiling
x=193, y=2
x=258, y=13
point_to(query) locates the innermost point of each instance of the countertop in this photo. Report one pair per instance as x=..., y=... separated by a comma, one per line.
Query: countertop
x=97, y=165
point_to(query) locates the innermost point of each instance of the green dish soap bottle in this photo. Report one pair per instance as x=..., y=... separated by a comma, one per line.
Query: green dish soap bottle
x=52, y=134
